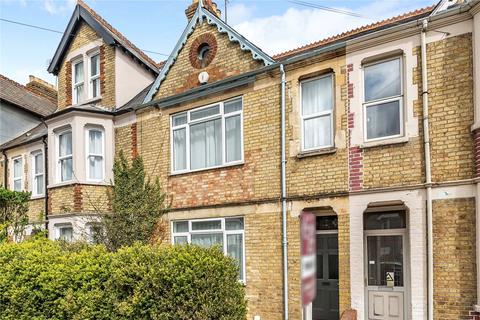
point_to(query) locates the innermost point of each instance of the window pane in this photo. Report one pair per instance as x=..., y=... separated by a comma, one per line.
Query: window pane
x=39, y=184
x=383, y=120
x=79, y=93
x=66, y=234
x=317, y=132
x=95, y=142
x=332, y=266
x=206, y=144
x=235, y=250
x=17, y=168
x=382, y=80
x=385, y=220
x=194, y=115
x=66, y=169
x=95, y=167
x=17, y=185
x=232, y=106
x=180, y=240
x=179, y=119
x=317, y=95
x=206, y=225
x=233, y=138
x=95, y=88
x=385, y=254
x=180, y=226
x=65, y=144
x=234, y=224
x=180, y=149
x=327, y=223
x=38, y=163
x=78, y=72
x=207, y=240
x=94, y=65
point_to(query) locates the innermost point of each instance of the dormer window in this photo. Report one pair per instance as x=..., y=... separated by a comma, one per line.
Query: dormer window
x=78, y=82
x=94, y=76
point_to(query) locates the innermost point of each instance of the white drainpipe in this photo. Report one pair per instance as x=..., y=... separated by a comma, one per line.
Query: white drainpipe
x=428, y=173
x=284, y=200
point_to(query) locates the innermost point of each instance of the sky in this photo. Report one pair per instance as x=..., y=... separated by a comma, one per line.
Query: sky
x=155, y=25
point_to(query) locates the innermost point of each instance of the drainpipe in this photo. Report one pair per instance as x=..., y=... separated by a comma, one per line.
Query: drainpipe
x=45, y=179
x=428, y=173
x=284, y=200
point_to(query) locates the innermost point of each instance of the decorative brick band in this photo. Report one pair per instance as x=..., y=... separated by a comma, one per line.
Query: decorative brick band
x=68, y=83
x=476, y=150
x=102, y=69
x=133, y=133
x=355, y=154
x=474, y=315
x=77, y=198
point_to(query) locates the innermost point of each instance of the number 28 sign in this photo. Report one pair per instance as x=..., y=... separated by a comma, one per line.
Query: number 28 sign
x=308, y=257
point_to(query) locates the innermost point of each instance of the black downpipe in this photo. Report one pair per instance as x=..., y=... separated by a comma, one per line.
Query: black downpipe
x=45, y=180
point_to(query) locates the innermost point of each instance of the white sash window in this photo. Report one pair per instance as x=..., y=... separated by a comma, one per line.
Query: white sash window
x=95, y=155
x=78, y=82
x=18, y=174
x=65, y=159
x=38, y=175
x=94, y=82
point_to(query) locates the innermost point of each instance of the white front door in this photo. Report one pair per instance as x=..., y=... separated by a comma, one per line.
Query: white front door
x=385, y=271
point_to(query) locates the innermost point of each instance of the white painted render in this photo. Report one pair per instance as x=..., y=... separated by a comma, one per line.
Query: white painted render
x=79, y=122
x=130, y=78
x=414, y=200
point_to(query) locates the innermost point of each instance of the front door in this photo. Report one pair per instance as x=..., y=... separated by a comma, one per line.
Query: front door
x=325, y=305
x=385, y=254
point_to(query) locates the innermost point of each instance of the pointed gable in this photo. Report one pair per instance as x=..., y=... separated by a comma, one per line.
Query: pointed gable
x=229, y=54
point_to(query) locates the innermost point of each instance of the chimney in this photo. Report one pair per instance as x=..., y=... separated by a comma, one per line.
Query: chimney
x=42, y=88
x=207, y=4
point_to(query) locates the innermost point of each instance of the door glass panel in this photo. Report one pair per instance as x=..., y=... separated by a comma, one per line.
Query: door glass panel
x=327, y=223
x=332, y=266
x=385, y=254
x=385, y=220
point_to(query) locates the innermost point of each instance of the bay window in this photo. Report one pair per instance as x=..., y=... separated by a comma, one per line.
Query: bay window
x=207, y=137
x=383, y=99
x=38, y=175
x=18, y=174
x=78, y=82
x=64, y=155
x=64, y=232
x=227, y=233
x=317, y=113
x=95, y=154
x=94, y=76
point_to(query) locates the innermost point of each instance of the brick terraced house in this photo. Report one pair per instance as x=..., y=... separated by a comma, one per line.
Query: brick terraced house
x=375, y=131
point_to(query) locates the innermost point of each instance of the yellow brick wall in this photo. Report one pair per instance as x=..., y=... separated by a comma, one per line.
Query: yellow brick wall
x=123, y=141
x=257, y=179
x=450, y=84
x=229, y=60
x=321, y=173
x=454, y=258
x=36, y=210
x=78, y=198
x=84, y=36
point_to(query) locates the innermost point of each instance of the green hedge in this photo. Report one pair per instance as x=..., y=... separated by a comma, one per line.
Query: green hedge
x=42, y=279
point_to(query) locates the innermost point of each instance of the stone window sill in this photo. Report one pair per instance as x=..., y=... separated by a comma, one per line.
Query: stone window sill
x=385, y=142
x=318, y=152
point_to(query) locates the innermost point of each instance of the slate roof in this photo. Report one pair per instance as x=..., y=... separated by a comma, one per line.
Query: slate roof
x=137, y=100
x=17, y=94
x=416, y=14
x=29, y=136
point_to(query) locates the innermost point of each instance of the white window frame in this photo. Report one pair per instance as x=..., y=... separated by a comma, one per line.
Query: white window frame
x=187, y=125
x=58, y=158
x=36, y=175
x=59, y=226
x=91, y=77
x=222, y=231
x=318, y=114
x=17, y=158
x=398, y=98
x=88, y=155
x=75, y=85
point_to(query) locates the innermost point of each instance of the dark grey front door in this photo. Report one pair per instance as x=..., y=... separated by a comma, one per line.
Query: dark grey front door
x=325, y=305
